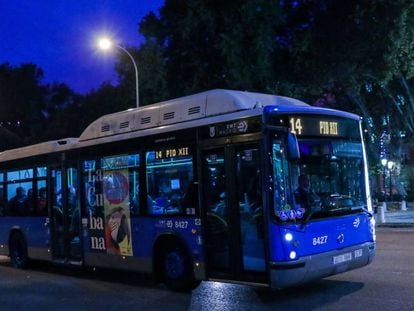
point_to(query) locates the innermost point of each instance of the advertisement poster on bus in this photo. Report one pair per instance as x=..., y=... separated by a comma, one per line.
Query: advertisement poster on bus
x=116, y=212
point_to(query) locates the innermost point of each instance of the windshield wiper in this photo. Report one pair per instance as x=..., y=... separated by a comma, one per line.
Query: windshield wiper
x=364, y=210
x=312, y=211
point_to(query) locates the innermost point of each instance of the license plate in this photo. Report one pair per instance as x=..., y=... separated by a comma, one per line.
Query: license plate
x=358, y=253
x=342, y=258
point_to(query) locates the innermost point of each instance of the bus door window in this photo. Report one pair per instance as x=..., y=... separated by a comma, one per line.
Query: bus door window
x=217, y=216
x=215, y=186
x=251, y=209
x=65, y=214
x=57, y=214
x=3, y=211
x=73, y=212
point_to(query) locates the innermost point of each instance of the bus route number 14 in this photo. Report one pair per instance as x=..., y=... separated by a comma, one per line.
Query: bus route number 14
x=296, y=125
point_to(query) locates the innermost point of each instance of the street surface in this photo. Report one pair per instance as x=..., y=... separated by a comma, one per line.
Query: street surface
x=386, y=284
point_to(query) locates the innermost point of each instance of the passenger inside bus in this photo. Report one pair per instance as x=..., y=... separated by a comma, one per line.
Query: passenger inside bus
x=304, y=195
x=29, y=202
x=190, y=198
x=16, y=205
x=41, y=204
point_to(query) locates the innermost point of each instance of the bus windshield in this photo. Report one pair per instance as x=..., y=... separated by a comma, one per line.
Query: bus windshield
x=327, y=181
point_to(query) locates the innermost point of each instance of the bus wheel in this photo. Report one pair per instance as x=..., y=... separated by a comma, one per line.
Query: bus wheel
x=176, y=268
x=18, y=251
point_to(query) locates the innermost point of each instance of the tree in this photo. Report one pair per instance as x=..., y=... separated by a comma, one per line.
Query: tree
x=359, y=48
x=21, y=98
x=215, y=44
x=152, y=83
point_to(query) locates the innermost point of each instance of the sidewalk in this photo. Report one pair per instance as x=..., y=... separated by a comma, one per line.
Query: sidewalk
x=399, y=218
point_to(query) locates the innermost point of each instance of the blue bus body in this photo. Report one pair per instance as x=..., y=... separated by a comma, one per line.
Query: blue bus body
x=207, y=193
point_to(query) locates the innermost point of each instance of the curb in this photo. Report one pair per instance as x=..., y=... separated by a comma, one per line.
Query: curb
x=396, y=225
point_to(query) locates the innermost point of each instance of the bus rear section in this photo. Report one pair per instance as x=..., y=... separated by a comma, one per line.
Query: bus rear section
x=332, y=230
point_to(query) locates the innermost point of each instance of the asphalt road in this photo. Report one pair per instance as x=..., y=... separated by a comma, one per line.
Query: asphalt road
x=386, y=284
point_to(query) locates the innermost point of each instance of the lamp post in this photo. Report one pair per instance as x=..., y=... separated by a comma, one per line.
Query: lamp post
x=390, y=165
x=106, y=44
x=384, y=165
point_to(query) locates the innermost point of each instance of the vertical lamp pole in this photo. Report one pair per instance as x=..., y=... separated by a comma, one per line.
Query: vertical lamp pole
x=390, y=167
x=384, y=165
x=106, y=44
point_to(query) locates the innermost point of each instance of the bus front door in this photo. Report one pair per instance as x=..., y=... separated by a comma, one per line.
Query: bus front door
x=233, y=217
x=65, y=217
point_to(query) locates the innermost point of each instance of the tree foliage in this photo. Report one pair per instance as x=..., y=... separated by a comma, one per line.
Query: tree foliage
x=21, y=99
x=362, y=54
x=215, y=44
x=346, y=54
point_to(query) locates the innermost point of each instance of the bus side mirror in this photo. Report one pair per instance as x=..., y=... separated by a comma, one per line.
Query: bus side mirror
x=292, y=147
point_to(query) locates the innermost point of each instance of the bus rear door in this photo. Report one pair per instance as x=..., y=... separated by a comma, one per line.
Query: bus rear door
x=233, y=217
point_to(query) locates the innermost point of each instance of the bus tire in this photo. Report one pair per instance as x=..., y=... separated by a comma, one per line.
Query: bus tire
x=18, y=251
x=177, y=269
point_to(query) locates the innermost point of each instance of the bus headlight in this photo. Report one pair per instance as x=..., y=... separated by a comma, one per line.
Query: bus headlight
x=288, y=237
x=292, y=255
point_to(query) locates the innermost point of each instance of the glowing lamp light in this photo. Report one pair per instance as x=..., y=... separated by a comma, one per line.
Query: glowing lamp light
x=292, y=255
x=104, y=43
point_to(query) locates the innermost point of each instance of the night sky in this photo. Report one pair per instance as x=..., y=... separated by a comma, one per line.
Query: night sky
x=60, y=36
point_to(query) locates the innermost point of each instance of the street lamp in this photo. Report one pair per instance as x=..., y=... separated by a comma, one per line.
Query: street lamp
x=384, y=165
x=106, y=44
x=390, y=167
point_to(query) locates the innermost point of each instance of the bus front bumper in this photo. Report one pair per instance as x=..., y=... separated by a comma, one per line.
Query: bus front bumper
x=286, y=274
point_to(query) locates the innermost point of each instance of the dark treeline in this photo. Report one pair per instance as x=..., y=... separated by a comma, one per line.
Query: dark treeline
x=347, y=54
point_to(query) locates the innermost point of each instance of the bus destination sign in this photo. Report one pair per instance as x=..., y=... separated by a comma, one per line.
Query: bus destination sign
x=172, y=153
x=311, y=125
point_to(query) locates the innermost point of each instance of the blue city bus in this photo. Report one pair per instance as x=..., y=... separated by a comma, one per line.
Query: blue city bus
x=196, y=188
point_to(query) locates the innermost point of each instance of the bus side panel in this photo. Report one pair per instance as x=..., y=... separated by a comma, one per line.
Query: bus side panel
x=144, y=233
x=35, y=232
x=5, y=228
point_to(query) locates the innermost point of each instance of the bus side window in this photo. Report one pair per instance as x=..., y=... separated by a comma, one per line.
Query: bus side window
x=3, y=211
x=17, y=204
x=41, y=202
x=169, y=181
